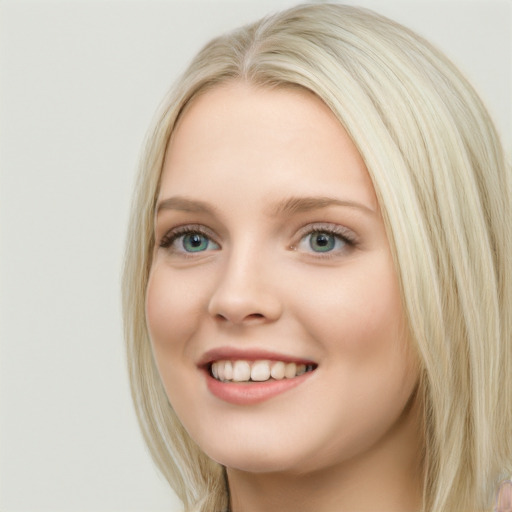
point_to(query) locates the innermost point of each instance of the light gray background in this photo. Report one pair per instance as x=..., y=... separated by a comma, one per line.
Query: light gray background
x=78, y=87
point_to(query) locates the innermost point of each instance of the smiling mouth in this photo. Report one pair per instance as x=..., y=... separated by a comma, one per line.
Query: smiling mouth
x=257, y=371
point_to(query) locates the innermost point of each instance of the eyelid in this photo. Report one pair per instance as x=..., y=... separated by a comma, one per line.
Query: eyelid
x=328, y=227
x=176, y=232
x=338, y=230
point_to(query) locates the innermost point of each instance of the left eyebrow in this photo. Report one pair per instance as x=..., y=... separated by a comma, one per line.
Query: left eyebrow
x=295, y=205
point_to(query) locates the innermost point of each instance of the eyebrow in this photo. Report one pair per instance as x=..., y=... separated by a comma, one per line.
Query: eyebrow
x=305, y=204
x=185, y=205
x=290, y=206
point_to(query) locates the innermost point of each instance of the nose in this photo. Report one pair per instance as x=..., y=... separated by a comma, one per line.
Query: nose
x=246, y=293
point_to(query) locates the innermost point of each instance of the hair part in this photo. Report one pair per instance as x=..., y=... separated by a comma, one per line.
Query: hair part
x=444, y=191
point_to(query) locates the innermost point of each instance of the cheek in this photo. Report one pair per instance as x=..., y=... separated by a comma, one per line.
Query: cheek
x=356, y=312
x=173, y=308
x=369, y=369
x=357, y=319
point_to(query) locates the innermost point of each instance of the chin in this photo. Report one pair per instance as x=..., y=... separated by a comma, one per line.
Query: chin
x=273, y=455
x=254, y=454
x=254, y=461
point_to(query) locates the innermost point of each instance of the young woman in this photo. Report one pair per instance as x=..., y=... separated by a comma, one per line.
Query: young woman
x=318, y=280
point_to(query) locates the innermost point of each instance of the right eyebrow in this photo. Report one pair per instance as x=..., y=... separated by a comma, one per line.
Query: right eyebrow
x=183, y=204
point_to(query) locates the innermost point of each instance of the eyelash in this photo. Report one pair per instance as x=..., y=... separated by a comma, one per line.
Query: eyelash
x=339, y=232
x=169, y=238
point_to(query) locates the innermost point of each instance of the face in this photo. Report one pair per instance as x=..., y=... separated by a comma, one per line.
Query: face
x=273, y=305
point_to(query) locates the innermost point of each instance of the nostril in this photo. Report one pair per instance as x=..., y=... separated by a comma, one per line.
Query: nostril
x=227, y=305
x=252, y=316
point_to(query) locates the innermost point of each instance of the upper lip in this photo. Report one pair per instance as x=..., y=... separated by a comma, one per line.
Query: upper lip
x=248, y=354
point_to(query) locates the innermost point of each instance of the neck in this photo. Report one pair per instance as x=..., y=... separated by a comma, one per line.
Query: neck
x=387, y=478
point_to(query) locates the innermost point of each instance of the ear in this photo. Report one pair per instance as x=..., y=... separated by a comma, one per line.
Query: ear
x=504, y=497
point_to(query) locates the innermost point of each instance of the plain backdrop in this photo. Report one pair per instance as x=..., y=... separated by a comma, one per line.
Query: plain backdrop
x=79, y=83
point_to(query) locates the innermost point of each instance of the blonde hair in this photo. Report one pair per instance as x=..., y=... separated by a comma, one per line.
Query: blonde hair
x=444, y=191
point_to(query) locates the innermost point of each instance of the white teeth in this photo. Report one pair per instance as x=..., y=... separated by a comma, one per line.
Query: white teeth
x=260, y=371
x=228, y=370
x=220, y=370
x=241, y=371
x=277, y=370
x=257, y=371
x=290, y=370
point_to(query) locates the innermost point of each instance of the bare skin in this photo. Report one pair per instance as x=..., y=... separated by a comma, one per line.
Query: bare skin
x=358, y=485
x=270, y=246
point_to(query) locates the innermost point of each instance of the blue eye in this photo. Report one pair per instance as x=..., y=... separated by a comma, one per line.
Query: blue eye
x=322, y=242
x=326, y=240
x=195, y=242
x=188, y=240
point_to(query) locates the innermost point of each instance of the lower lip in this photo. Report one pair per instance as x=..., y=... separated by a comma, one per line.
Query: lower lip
x=248, y=393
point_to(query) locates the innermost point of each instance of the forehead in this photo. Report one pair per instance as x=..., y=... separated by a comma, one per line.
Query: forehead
x=284, y=138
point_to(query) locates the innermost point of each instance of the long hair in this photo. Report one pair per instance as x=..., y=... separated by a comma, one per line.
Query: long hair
x=444, y=191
